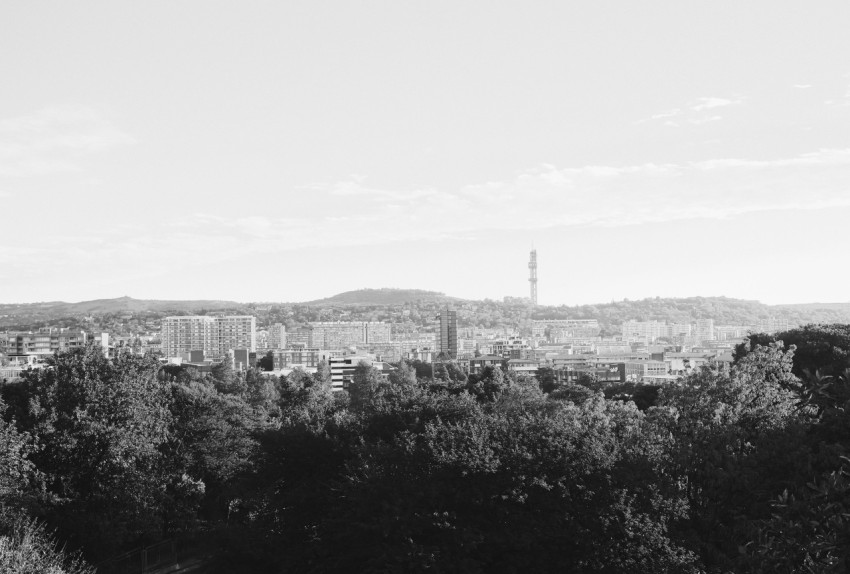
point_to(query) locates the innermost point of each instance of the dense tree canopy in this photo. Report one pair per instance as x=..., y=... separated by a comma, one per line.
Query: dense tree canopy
x=734, y=469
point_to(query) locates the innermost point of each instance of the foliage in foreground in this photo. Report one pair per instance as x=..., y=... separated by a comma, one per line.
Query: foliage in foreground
x=741, y=469
x=27, y=548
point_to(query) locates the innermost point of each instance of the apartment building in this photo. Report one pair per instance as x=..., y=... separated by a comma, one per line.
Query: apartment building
x=215, y=336
x=704, y=330
x=446, y=340
x=645, y=332
x=557, y=330
x=41, y=343
x=275, y=337
x=513, y=348
x=343, y=334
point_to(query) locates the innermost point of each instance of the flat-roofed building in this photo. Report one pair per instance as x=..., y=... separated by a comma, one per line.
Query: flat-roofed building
x=344, y=334
x=446, y=340
x=275, y=337
x=378, y=333
x=523, y=366
x=704, y=330
x=215, y=336
x=41, y=343
x=639, y=370
x=291, y=358
x=478, y=364
x=512, y=348
x=342, y=370
x=557, y=330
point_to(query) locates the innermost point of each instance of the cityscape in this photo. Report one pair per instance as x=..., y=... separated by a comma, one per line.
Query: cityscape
x=640, y=351
x=430, y=287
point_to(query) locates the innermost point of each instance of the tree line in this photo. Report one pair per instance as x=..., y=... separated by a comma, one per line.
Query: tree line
x=737, y=469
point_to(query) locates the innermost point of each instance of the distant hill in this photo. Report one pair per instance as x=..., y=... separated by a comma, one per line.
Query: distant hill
x=724, y=311
x=382, y=297
x=104, y=306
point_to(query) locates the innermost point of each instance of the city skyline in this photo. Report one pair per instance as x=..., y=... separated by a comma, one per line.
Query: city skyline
x=285, y=152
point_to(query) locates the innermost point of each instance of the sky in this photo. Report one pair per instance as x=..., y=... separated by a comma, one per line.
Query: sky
x=288, y=151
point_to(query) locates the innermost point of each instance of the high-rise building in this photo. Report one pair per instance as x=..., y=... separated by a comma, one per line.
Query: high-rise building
x=215, y=336
x=446, y=341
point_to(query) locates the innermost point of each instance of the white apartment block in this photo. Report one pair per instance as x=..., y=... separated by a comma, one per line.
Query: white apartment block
x=41, y=343
x=342, y=334
x=644, y=331
x=215, y=336
x=773, y=325
x=556, y=330
x=704, y=330
x=276, y=338
x=648, y=332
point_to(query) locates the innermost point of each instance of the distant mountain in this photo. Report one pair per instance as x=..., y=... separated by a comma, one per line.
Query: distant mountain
x=103, y=306
x=383, y=297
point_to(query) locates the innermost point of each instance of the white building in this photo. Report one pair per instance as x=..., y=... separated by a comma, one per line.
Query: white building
x=705, y=330
x=215, y=336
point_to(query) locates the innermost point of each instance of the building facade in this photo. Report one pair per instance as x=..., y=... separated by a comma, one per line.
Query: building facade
x=446, y=340
x=704, y=330
x=556, y=330
x=215, y=336
x=343, y=334
x=41, y=343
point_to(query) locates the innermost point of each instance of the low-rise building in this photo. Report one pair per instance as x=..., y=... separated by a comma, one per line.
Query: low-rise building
x=41, y=343
x=478, y=364
x=637, y=371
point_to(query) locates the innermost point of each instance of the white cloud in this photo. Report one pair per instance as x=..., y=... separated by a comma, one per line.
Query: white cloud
x=692, y=113
x=356, y=188
x=709, y=103
x=705, y=120
x=54, y=139
x=668, y=114
x=593, y=196
x=802, y=86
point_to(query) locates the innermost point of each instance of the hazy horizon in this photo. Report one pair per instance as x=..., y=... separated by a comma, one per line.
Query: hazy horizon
x=293, y=151
x=283, y=302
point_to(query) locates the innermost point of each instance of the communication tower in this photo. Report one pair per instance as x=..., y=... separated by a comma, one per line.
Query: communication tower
x=532, y=276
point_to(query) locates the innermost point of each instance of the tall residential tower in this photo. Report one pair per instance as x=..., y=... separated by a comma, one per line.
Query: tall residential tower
x=447, y=334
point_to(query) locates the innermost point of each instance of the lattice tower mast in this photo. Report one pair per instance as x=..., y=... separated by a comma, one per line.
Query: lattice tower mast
x=532, y=276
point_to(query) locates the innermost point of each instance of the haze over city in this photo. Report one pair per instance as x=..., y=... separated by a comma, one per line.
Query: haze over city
x=290, y=151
